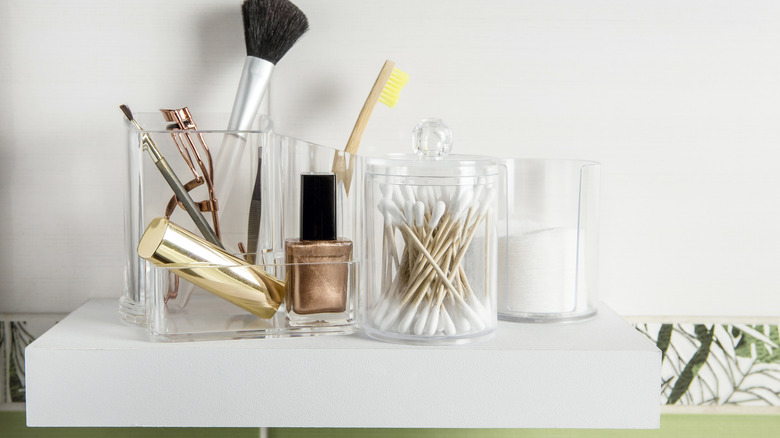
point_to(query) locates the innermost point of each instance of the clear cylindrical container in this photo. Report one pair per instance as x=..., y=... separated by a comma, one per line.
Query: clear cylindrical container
x=432, y=248
x=550, y=253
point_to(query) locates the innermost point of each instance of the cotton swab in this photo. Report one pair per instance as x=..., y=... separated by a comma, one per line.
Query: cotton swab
x=430, y=294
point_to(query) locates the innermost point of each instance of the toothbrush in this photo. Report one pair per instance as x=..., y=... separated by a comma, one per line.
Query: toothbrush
x=386, y=89
x=271, y=28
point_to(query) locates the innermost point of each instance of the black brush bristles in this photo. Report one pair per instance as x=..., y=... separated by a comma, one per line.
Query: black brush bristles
x=271, y=28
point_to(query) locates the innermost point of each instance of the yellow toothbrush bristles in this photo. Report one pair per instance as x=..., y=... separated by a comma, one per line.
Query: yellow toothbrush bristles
x=392, y=91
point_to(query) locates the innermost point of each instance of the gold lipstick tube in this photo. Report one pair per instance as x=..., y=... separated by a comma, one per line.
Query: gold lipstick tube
x=206, y=265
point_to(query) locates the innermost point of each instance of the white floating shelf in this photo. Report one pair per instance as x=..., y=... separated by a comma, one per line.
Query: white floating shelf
x=92, y=369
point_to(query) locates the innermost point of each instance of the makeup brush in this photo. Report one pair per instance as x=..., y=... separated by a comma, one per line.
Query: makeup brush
x=271, y=28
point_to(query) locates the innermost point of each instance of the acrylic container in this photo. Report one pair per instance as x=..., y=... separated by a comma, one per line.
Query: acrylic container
x=204, y=315
x=550, y=262
x=147, y=195
x=432, y=248
x=256, y=215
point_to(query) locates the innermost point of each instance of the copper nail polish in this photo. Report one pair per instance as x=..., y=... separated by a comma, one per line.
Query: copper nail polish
x=318, y=269
x=320, y=285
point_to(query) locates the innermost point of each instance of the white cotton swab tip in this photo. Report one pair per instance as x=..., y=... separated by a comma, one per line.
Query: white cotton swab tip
x=409, y=212
x=422, y=319
x=422, y=195
x=398, y=197
x=438, y=212
x=419, y=214
x=486, y=200
x=406, y=322
x=390, y=318
x=480, y=309
x=479, y=188
x=433, y=321
x=380, y=311
x=461, y=322
x=387, y=190
x=409, y=193
x=462, y=203
x=474, y=319
x=449, y=326
x=389, y=207
x=430, y=193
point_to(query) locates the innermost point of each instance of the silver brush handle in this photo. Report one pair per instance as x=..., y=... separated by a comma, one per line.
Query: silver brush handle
x=251, y=89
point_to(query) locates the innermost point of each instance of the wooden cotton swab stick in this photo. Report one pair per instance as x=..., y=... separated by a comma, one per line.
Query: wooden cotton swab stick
x=457, y=268
x=437, y=229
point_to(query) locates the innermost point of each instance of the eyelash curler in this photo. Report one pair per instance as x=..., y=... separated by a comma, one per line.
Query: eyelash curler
x=182, y=122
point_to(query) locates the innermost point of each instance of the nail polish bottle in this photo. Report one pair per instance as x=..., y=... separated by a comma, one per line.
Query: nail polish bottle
x=318, y=274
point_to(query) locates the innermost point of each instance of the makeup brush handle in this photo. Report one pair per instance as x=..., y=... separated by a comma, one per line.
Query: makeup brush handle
x=249, y=96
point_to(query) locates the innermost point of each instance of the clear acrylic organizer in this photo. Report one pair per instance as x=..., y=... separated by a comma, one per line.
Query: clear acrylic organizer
x=549, y=271
x=202, y=315
x=159, y=295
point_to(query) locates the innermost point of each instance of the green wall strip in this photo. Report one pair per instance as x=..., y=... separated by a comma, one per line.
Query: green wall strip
x=12, y=424
x=672, y=426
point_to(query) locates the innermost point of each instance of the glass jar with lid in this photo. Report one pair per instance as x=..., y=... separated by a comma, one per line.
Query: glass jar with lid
x=431, y=222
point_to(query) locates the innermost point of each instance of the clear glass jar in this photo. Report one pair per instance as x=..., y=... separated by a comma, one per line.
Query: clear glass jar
x=431, y=256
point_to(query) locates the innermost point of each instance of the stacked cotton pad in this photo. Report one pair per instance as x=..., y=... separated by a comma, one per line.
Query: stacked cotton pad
x=540, y=267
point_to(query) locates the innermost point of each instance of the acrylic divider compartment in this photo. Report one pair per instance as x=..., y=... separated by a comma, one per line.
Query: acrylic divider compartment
x=260, y=214
x=432, y=249
x=293, y=160
x=551, y=263
x=203, y=315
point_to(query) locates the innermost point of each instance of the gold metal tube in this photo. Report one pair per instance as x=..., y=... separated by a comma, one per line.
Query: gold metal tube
x=204, y=264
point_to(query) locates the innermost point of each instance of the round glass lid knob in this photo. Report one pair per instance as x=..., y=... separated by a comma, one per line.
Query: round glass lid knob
x=432, y=138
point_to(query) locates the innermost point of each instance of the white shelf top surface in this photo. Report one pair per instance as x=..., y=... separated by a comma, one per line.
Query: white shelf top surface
x=93, y=369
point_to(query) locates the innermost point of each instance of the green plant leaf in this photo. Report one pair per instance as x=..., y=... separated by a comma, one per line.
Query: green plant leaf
x=725, y=341
x=693, y=366
x=754, y=337
x=664, y=337
x=757, y=333
x=769, y=354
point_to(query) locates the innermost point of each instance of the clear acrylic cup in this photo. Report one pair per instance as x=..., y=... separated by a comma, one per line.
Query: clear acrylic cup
x=549, y=265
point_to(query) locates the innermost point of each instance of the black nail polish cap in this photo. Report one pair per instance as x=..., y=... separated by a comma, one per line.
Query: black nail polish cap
x=318, y=206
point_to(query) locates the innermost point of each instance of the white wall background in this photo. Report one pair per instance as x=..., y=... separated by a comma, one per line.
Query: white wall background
x=677, y=99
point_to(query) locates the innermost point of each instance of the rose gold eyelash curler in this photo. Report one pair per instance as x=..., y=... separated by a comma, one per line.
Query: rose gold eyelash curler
x=182, y=123
x=182, y=119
